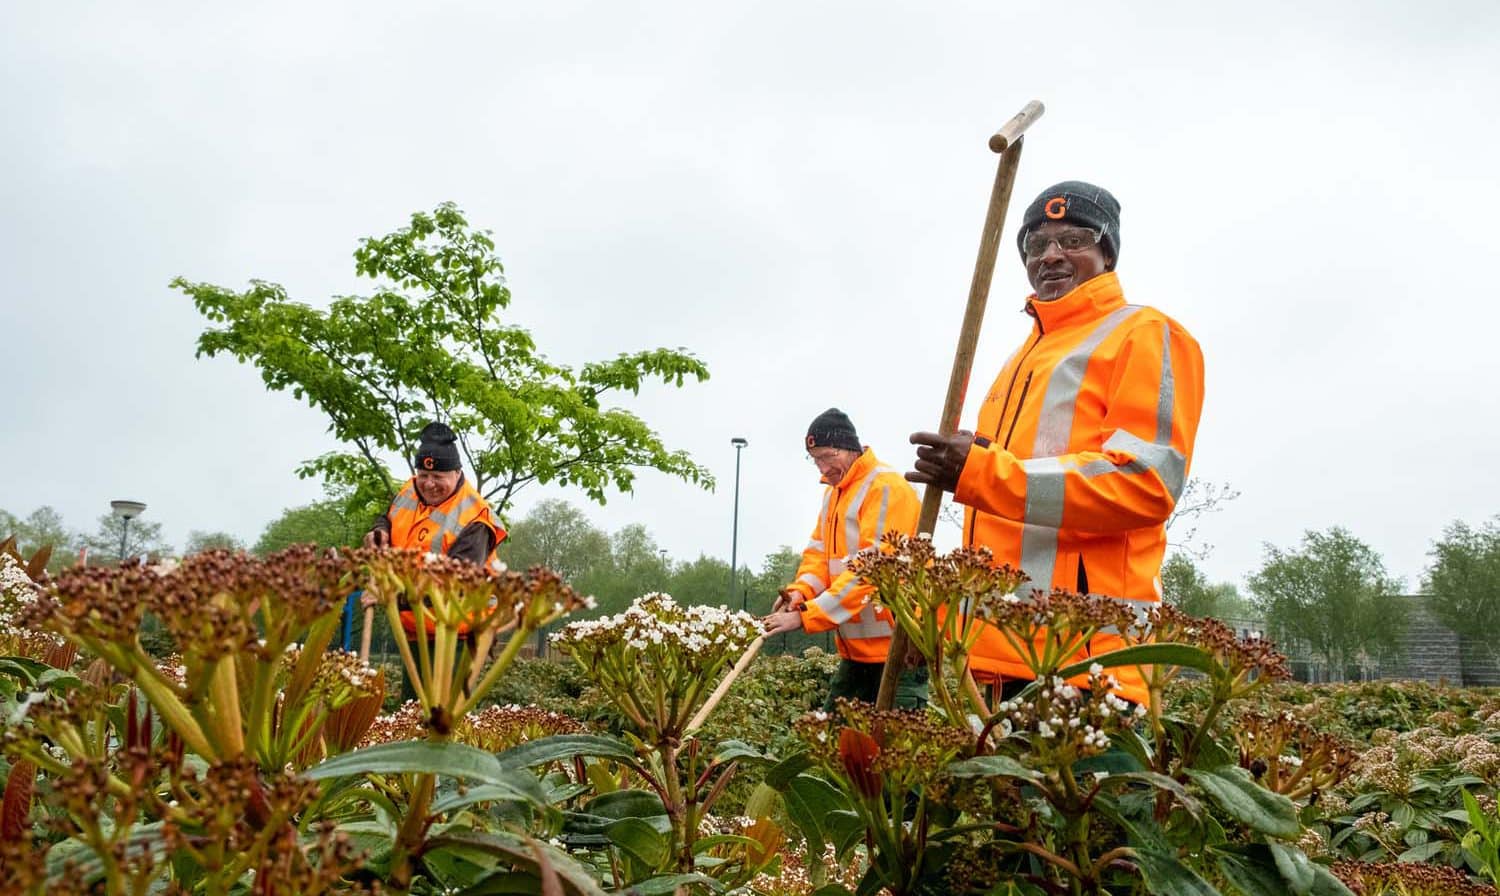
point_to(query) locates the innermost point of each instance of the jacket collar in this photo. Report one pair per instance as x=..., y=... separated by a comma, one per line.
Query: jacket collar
x=1088, y=301
x=857, y=470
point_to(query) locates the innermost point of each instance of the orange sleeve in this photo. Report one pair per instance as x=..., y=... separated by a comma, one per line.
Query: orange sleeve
x=891, y=506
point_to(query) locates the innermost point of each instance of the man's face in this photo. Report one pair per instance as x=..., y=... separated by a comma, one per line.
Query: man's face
x=436, y=485
x=1060, y=257
x=833, y=463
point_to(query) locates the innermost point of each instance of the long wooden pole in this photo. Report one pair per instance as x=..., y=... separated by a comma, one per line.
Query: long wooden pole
x=1006, y=141
x=702, y=714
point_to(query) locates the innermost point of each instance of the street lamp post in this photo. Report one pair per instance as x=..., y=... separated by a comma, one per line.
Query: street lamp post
x=739, y=444
x=126, y=511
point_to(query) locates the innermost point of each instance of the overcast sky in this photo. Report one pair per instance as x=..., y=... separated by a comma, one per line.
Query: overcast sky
x=793, y=192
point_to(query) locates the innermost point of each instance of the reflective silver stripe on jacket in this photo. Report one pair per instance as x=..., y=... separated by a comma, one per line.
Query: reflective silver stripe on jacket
x=867, y=624
x=811, y=579
x=407, y=498
x=448, y=523
x=1158, y=456
x=1045, y=473
x=851, y=516
x=832, y=602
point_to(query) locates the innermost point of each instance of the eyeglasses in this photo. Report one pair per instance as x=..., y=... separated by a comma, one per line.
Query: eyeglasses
x=819, y=460
x=1079, y=239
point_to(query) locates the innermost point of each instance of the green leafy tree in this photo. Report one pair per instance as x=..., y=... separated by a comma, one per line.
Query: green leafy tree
x=1462, y=583
x=701, y=581
x=557, y=535
x=143, y=537
x=1185, y=586
x=430, y=343
x=636, y=567
x=321, y=522
x=43, y=526
x=341, y=519
x=1333, y=596
x=198, y=541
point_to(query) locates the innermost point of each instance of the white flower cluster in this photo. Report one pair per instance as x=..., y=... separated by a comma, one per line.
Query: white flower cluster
x=656, y=620
x=16, y=591
x=1061, y=712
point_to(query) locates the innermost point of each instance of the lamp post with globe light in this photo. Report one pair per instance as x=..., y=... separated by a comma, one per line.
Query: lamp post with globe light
x=126, y=511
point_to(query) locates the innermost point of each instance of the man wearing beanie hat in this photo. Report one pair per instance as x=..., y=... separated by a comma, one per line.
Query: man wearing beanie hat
x=863, y=500
x=437, y=510
x=1084, y=441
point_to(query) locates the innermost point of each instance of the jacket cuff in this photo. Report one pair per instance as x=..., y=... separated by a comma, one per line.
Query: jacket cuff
x=992, y=481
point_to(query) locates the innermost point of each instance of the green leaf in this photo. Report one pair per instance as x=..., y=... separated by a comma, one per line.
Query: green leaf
x=809, y=802
x=1424, y=852
x=668, y=884
x=1146, y=655
x=1166, y=876
x=845, y=830
x=736, y=750
x=560, y=747
x=1295, y=867
x=1112, y=762
x=1402, y=815
x=626, y=804
x=518, y=853
x=641, y=840
x=419, y=756
x=22, y=668
x=1232, y=788
x=487, y=793
x=1159, y=782
x=782, y=773
x=1251, y=873
x=993, y=766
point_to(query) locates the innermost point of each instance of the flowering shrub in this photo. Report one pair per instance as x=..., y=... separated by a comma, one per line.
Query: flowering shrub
x=195, y=771
x=1064, y=787
x=657, y=662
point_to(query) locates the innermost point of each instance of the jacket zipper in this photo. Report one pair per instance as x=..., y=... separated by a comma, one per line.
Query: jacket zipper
x=1016, y=417
x=1040, y=332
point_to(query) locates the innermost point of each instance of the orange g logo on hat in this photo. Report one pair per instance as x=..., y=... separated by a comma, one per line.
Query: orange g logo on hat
x=427, y=463
x=1056, y=207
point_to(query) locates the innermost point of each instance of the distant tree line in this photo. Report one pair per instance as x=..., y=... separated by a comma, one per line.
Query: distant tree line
x=1329, y=597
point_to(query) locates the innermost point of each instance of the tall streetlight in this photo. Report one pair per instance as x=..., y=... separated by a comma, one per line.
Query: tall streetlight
x=734, y=545
x=126, y=511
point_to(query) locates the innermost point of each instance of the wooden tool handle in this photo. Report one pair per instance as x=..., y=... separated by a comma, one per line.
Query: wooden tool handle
x=1010, y=141
x=364, y=636
x=1012, y=130
x=713, y=699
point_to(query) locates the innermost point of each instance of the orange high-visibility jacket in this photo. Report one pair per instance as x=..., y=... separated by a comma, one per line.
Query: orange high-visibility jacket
x=1081, y=451
x=416, y=524
x=871, y=499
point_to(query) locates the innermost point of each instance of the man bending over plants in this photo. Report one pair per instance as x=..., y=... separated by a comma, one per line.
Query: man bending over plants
x=864, y=499
x=438, y=511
